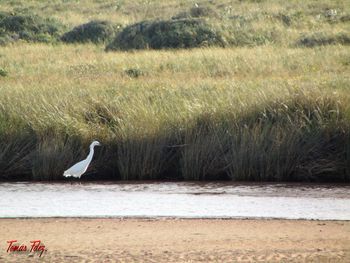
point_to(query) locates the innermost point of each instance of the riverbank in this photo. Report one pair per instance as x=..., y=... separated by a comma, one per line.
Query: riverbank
x=178, y=240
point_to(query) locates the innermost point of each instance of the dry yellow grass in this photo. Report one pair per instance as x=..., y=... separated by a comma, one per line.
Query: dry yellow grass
x=60, y=83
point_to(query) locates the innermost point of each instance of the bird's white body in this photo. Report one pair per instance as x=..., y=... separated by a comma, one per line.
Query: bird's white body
x=78, y=169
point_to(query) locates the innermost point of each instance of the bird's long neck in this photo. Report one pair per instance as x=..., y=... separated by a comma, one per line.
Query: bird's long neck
x=91, y=154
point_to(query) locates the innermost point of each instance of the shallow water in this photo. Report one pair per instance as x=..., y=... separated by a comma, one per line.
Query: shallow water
x=209, y=200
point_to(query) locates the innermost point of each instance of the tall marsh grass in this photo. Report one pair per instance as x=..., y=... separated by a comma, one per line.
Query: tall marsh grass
x=266, y=114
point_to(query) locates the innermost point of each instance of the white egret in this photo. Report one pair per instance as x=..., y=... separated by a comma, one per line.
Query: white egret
x=79, y=168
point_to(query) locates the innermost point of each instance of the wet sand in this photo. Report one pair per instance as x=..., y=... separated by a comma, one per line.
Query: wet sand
x=177, y=240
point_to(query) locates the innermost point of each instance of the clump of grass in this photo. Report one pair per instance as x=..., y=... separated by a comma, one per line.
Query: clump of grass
x=345, y=18
x=134, y=72
x=144, y=158
x=6, y=38
x=255, y=146
x=286, y=19
x=17, y=142
x=321, y=39
x=267, y=153
x=15, y=156
x=96, y=31
x=3, y=73
x=30, y=27
x=204, y=148
x=184, y=33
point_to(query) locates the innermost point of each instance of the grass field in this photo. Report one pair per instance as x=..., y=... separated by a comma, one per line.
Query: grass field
x=263, y=110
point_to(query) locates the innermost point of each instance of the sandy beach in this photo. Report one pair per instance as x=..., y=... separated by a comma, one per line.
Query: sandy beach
x=175, y=240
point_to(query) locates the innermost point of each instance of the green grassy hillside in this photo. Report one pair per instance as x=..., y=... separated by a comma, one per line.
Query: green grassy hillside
x=273, y=104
